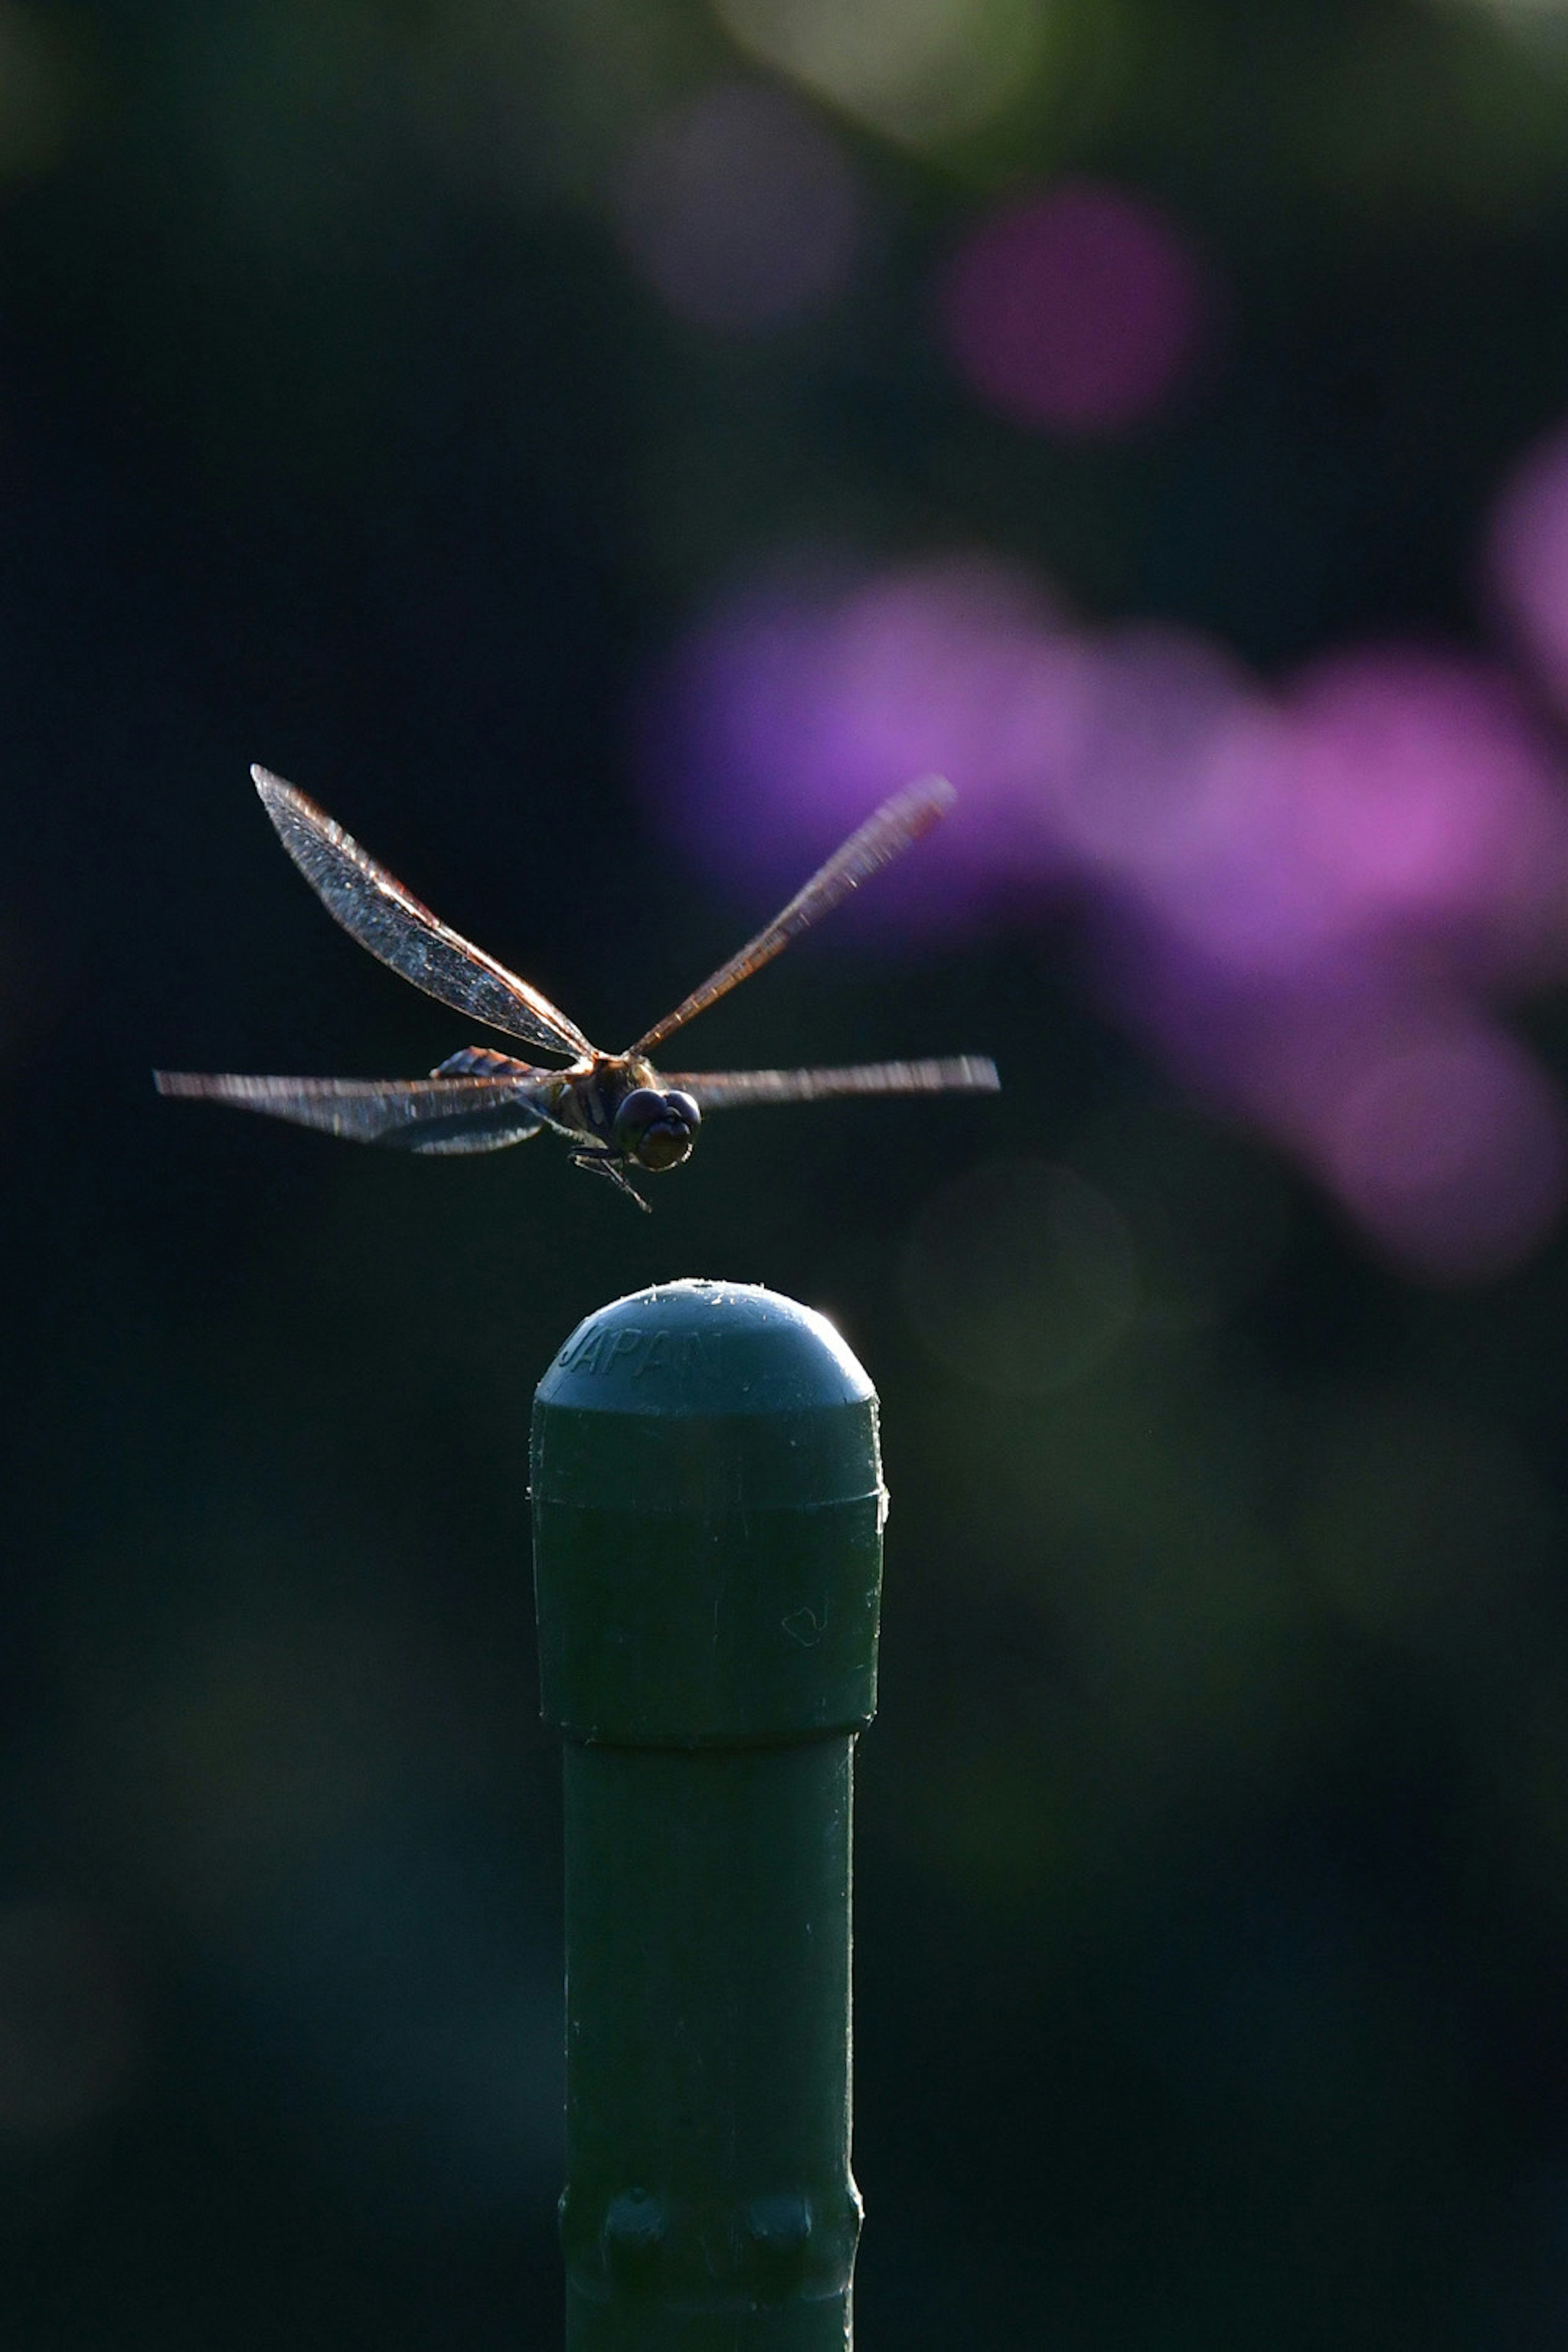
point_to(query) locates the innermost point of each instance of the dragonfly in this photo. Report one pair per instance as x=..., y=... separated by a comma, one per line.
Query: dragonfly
x=619, y=1115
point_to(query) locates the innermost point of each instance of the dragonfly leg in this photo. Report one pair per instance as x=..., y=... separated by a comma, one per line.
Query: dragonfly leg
x=600, y=1163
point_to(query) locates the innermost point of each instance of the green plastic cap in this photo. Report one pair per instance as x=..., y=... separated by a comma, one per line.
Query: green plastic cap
x=707, y=1507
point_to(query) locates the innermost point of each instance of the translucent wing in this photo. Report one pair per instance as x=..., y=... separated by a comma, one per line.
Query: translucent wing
x=896, y=825
x=434, y=1115
x=374, y=909
x=725, y=1089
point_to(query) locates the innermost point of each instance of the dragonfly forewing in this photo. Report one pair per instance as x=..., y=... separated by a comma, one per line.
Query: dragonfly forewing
x=885, y=835
x=374, y=909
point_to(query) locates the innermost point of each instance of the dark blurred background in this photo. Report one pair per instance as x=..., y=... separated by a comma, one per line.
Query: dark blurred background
x=598, y=446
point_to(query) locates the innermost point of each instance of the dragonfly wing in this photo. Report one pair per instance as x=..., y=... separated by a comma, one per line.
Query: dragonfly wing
x=426, y=1115
x=884, y=837
x=374, y=908
x=728, y=1090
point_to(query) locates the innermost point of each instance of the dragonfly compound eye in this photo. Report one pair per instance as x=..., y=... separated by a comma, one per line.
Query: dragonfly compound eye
x=657, y=1131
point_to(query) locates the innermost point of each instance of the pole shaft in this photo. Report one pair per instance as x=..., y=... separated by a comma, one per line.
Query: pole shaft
x=710, y=2202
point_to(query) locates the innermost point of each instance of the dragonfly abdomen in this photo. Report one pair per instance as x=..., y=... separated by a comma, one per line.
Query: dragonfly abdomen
x=482, y=1062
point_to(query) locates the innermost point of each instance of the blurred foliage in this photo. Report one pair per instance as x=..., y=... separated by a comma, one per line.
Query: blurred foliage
x=1212, y=1919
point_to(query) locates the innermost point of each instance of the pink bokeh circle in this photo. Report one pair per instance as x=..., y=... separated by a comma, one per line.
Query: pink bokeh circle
x=1453, y=1153
x=1081, y=311
x=1527, y=557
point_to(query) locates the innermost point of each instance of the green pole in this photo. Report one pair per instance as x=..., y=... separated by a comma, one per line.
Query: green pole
x=708, y=1512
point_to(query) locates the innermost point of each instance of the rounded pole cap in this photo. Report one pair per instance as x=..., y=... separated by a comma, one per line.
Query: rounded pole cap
x=708, y=1509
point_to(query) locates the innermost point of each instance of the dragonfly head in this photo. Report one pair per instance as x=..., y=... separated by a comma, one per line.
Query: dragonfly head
x=656, y=1130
